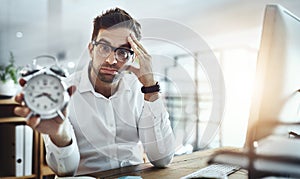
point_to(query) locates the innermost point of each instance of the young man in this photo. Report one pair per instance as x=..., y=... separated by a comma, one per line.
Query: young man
x=109, y=115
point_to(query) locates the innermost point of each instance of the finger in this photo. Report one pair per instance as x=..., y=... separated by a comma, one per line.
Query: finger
x=19, y=98
x=135, y=40
x=33, y=122
x=22, y=82
x=71, y=90
x=132, y=44
x=21, y=111
x=137, y=50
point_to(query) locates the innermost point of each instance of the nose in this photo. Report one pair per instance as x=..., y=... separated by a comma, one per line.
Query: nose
x=111, y=59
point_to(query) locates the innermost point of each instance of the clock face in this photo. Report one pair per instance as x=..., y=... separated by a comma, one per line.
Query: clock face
x=44, y=94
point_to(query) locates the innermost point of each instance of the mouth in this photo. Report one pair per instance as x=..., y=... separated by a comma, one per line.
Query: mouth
x=108, y=71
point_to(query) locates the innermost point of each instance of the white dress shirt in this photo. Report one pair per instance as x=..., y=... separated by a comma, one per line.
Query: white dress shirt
x=107, y=132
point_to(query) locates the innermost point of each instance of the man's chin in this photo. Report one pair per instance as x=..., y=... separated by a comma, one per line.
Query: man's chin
x=107, y=78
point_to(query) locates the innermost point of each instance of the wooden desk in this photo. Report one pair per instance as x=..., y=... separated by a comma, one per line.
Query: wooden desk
x=181, y=166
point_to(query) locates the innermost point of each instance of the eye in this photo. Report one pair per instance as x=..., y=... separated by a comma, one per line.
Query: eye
x=104, y=48
x=123, y=53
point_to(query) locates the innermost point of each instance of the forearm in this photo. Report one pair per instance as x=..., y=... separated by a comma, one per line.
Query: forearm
x=63, y=138
x=159, y=147
x=64, y=160
x=156, y=134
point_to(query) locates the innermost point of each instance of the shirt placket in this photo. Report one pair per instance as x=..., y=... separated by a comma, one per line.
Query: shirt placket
x=111, y=125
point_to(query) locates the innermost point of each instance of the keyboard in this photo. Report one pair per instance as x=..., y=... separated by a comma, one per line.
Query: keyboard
x=213, y=171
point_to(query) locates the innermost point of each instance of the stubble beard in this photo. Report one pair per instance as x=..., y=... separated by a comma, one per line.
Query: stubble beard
x=105, y=77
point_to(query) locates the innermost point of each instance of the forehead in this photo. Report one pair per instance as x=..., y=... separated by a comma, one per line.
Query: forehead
x=116, y=36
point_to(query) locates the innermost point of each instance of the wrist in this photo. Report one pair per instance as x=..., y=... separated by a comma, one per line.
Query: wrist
x=149, y=83
x=151, y=96
x=151, y=89
x=61, y=141
x=147, y=80
x=62, y=138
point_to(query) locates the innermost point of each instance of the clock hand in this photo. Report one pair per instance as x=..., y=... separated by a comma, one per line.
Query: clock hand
x=49, y=96
x=39, y=95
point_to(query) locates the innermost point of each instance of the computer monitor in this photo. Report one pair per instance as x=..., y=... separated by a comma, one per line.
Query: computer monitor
x=276, y=97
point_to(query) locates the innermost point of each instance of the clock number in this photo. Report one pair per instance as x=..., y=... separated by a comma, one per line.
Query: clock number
x=45, y=82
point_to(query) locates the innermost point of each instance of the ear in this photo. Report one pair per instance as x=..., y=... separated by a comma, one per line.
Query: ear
x=91, y=48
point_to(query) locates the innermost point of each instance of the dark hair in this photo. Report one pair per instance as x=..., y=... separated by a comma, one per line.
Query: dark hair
x=114, y=18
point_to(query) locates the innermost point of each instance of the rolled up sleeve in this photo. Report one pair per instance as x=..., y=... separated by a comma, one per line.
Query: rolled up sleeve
x=156, y=133
x=63, y=161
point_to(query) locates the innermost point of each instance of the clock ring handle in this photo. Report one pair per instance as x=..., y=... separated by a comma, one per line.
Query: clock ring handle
x=34, y=62
x=54, y=68
x=30, y=69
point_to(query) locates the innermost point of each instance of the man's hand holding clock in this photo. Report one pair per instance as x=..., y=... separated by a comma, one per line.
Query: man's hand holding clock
x=40, y=97
x=44, y=100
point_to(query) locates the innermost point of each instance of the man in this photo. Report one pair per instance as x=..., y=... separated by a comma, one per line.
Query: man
x=108, y=115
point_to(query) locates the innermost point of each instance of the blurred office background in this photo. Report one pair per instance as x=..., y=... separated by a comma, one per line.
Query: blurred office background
x=230, y=28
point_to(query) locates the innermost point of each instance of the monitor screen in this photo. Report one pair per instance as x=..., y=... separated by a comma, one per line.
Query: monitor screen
x=276, y=97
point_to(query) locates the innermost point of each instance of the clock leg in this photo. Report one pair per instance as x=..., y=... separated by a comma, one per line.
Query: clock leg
x=61, y=115
x=29, y=115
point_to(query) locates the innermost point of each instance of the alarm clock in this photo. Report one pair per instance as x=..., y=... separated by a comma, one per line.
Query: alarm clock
x=45, y=92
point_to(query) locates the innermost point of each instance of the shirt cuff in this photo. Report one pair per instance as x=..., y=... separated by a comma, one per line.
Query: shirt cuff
x=154, y=113
x=59, y=152
x=155, y=108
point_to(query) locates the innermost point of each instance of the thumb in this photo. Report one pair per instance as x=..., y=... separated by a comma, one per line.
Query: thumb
x=133, y=69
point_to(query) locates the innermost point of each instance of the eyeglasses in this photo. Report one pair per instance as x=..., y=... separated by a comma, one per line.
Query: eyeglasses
x=121, y=54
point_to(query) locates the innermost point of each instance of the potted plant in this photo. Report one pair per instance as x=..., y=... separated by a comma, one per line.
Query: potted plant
x=9, y=78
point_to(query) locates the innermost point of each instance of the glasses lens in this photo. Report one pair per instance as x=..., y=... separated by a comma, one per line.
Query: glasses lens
x=104, y=50
x=122, y=54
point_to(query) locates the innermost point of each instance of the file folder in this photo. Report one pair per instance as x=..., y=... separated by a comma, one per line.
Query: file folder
x=19, y=148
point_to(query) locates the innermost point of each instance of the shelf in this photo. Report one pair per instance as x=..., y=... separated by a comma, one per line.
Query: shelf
x=8, y=101
x=21, y=177
x=18, y=120
x=7, y=108
x=40, y=168
x=46, y=171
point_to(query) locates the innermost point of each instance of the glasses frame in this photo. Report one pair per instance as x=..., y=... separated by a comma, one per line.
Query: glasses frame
x=113, y=49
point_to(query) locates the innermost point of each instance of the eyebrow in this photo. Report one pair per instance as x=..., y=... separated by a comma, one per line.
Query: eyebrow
x=127, y=45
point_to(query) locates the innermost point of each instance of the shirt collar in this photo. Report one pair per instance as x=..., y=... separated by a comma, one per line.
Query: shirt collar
x=85, y=84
